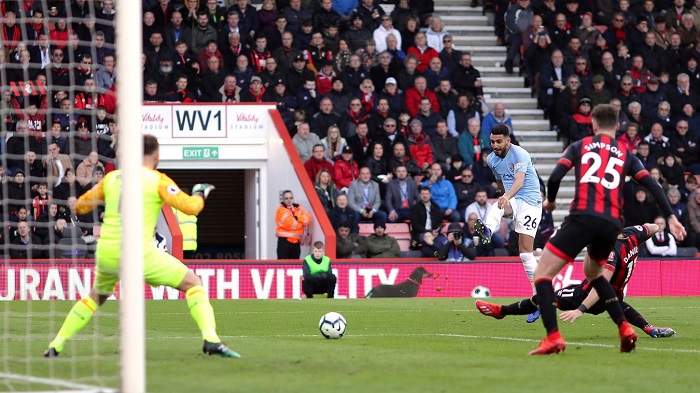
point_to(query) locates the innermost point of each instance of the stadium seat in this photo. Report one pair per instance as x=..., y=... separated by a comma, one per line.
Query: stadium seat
x=686, y=252
x=366, y=228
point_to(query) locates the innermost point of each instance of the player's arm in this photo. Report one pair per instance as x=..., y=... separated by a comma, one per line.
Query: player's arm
x=588, y=302
x=518, y=183
x=91, y=199
x=171, y=194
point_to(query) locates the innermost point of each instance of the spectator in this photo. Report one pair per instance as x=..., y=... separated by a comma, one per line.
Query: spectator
x=384, y=30
x=662, y=244
x=304, y=142
x=345, y=169
x=18, y=193
x=401, y=196
x=343, y=213
x=456, y=249
x=364, y=198
x=630, y=139
x=552, y=78
x=581, y=123
x=317, y=276
x=427, y=117
x=450, y=57
x=333, y=142
x=41, y=201
x=381, y=245
x=639, y=210
x=458, y=118
x=671, y=170
x=659, y=144
x=317, y=162
x=419, y=145
x=325, y=189
x=422, y=51
x=399, y=158
x=292, y=221
x=377, y=165
x=85, y=170
x=497, y=116
x=685, y=147
x=447, y=98
x=471, y=144
x=517, y=18
x=202, y=33
x=25, y=245
x=349, y=245
x=443, y=193
x=415, y=94
x=444, y=146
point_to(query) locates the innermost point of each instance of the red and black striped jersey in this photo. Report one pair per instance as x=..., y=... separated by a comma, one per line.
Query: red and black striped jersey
x=623, y=257
x=601, y=167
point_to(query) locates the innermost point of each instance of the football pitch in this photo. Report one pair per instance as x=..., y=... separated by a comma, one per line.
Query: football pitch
x=391, y=345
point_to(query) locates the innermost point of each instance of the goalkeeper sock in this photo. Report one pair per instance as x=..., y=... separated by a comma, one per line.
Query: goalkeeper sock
x=523, y=307
x=530, y=264
x=202, y=313
x=77, y=318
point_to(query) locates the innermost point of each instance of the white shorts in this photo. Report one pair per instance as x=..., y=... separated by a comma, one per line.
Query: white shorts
x=527, y=217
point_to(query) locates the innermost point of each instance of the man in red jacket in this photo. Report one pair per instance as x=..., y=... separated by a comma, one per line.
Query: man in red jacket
x=414, y=94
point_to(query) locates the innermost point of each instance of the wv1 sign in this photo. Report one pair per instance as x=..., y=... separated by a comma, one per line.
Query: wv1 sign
x=199, y=122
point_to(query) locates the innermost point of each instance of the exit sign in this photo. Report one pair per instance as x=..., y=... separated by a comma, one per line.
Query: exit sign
x=200, y=153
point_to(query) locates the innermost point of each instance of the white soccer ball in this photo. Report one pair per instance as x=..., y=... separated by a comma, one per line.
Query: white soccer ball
x=332, y=325
x=481, y=292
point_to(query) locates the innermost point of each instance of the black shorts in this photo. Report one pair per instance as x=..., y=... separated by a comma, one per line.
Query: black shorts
x=579, y=231
x=571, y=297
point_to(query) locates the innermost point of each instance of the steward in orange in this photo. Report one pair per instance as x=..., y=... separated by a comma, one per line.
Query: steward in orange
x=291, y=220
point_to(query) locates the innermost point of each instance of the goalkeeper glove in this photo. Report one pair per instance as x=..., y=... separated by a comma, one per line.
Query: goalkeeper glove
x=202, y=190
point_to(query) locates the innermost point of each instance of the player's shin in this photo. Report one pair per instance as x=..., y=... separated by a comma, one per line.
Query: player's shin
x=529, y=264
x=609, y=298
x=522, y=307
x=75, y=321
x=202, y=313
x=545, y=301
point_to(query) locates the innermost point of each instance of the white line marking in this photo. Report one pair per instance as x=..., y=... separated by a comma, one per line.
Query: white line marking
x=57, y=382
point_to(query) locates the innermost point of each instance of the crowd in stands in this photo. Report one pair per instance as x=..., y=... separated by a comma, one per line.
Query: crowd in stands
x=374, y=101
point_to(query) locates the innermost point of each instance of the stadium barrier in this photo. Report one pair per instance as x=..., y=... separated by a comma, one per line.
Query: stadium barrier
x=271, y=280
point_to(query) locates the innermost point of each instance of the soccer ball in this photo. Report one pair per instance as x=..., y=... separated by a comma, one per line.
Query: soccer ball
x=332, y=325
x=481, y=292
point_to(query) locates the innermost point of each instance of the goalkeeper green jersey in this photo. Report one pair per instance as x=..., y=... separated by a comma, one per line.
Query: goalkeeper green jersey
x=158, y=189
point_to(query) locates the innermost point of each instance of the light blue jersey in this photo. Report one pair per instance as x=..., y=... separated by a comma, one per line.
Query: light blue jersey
x=517, y=160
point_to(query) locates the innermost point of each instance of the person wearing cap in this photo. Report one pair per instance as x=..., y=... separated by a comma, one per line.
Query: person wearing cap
x=286, y=102
x=357, y=35
x=581, y=123
x=255, y=92
x=455, y=248
x=324, y=79
x=598, y=93
x=298, y=74
x=394, y=96
x=345, y=169
x=381, y=245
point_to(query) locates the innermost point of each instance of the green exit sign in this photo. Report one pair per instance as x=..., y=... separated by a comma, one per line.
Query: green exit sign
x=200, y=153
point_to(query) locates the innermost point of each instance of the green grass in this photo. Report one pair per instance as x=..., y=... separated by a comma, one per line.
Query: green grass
x=392, y=345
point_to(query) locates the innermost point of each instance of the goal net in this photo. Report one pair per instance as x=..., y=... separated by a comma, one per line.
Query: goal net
x=59, y=137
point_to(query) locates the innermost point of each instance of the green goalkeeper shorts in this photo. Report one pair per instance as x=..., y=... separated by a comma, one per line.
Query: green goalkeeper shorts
x=159, y=267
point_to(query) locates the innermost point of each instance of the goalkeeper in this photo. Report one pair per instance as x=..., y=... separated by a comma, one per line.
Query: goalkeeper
x=575, y=300
x=160, y=268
